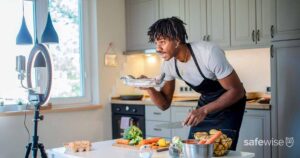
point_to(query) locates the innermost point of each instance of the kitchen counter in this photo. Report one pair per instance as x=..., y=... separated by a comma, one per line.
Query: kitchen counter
x=105, y=149
x=184, y=101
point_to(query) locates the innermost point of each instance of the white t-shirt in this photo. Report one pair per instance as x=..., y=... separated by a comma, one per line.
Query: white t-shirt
x=211, y=60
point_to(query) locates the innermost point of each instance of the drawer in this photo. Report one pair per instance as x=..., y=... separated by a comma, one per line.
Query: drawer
x=155, y=114
x=152, y=130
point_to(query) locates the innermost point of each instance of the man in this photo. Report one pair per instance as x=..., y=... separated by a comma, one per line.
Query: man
x=203, y=67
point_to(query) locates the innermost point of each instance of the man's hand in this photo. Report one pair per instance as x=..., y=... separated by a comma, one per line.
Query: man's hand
x=195, y=117
x=143, y=88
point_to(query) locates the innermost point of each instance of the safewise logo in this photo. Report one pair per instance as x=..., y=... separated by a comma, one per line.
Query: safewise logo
x=288, y=141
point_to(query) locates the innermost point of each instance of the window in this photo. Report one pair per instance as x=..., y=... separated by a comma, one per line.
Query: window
x=10, y=87
x=69, y=57
x=67, y=70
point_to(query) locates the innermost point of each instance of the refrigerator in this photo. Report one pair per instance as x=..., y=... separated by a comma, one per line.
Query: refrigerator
x=285, y=80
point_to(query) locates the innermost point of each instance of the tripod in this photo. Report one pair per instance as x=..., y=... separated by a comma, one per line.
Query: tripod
x=36, y=99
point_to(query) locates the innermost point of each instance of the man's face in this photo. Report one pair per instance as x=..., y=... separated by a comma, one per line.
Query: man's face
x=166, y=47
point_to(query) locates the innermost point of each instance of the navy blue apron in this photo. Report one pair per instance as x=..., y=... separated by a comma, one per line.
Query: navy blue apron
x=228, y=120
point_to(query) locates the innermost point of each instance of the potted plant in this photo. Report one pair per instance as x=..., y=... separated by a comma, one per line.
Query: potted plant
x=21, y=105
x=1, y=106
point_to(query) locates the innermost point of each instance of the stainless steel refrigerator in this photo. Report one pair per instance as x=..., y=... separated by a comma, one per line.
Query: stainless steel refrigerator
x=285, y=80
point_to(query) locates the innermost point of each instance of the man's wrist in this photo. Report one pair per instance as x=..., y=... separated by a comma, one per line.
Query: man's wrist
x=205, y=110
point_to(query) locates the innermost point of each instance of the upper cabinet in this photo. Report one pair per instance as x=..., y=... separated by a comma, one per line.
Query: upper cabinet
x=196, y=19
x=232, y=24
x=251, y=22
x=287, y=24
x=140, y=14
x=169, y=8
x=208, y=20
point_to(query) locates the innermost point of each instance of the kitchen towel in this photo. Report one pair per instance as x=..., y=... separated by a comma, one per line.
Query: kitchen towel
x=125, y=122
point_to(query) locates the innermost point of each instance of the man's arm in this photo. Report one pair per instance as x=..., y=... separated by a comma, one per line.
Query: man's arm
x=235, y=91
x=162, y=98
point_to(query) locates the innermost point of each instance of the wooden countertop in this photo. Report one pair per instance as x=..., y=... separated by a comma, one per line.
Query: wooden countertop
x=185, y=101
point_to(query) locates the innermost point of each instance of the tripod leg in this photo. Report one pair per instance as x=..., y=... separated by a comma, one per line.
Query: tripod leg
x=28, y=148
x=42, y=150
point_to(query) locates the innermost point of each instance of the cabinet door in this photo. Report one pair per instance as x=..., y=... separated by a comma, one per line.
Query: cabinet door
x=287, y=25
x=285, y=97
x=140, y=15
x=179, y=114
x=243, y=23
x=265, y=18
x=255, y=126
x=218, y=22
x=169, y=8
x=196, y=19
x=153, y=113
x=153, y=131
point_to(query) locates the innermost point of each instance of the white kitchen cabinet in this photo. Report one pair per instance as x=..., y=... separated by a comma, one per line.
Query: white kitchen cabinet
x=140, y=15
x=155, y=117
x=256, y=125
x=251, y=22
x=169, y=8
x=208, y=20
x=179, y=114
x=153, y=113
x=153, y=131
x=195, y=19
x=287, y=24
x=285, y=99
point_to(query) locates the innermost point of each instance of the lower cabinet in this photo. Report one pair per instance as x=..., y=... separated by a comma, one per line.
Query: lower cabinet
x=155, y=117
x=254, y=132
x=255, y=129
x=179, y=114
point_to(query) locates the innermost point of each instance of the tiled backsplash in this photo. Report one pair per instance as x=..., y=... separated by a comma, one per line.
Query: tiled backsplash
x=252, y=66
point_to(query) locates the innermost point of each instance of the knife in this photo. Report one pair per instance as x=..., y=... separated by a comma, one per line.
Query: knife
x=171, y=125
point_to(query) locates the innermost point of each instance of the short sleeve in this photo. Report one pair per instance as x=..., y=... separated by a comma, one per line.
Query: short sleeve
x=218, y=64
x=165, y=68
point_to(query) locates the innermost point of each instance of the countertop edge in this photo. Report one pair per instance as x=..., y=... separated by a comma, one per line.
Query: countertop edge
x=53, y=109
x=250, y=106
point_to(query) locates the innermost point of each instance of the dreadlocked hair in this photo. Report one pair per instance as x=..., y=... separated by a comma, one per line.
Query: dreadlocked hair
x=172, y=28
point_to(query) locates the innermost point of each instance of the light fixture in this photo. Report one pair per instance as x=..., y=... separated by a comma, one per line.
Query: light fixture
x=49, y=35
x=23, y=37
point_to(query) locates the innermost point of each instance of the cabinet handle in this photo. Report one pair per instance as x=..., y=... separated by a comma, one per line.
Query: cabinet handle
x=157, y=129
x=204, y=38
x=253, y=39
x=272, y=31
x=156, y=113
x=257, y=35
x=272, y=51
x=207, y=38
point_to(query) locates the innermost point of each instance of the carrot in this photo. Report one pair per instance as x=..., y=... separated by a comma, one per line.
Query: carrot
x=122, y=141
x=213, y=138
x=153, y=140
x=203, y=141
x=144, y=142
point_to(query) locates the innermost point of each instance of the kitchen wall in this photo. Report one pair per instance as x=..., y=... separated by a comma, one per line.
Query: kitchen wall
x=108, y=24
x=252, y=66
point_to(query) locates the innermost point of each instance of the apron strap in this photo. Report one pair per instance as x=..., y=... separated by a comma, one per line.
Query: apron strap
x=195, y=60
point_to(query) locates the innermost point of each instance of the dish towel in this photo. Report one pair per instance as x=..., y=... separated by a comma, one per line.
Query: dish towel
x=125, y=122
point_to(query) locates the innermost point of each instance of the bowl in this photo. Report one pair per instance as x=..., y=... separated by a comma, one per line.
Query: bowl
x=191, y=149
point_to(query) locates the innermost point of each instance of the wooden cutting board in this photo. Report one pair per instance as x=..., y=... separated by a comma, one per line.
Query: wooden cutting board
x=137, y=147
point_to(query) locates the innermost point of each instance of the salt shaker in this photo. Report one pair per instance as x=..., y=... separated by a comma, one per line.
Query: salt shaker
x=145, y=151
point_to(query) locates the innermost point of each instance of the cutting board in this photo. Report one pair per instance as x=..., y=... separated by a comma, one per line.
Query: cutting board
x=137, y=147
